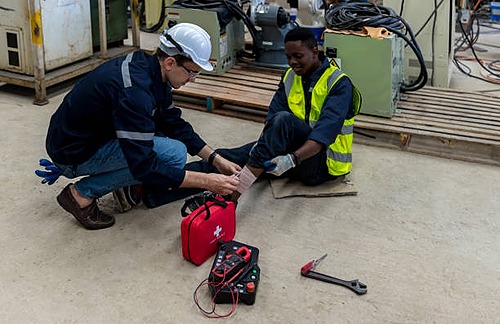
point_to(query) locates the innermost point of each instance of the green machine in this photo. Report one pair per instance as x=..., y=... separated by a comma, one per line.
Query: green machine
x=116, y=22
x=227, y=41
x=374, y=66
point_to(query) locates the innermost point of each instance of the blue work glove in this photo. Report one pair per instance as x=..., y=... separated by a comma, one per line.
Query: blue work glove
x=279, y=164
x=51, y=173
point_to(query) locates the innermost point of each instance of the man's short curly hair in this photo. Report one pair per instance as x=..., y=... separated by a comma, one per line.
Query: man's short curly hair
x=302, y=34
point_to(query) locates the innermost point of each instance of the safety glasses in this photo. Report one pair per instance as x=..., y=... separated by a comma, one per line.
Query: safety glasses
x=192, y=74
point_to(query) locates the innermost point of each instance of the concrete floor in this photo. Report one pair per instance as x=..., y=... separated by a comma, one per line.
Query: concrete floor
x=422, y=233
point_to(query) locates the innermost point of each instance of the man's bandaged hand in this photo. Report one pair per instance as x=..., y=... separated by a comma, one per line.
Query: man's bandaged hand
x=279, y=164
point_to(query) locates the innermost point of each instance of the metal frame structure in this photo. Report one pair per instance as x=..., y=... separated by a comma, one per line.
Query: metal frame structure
x=42, y=79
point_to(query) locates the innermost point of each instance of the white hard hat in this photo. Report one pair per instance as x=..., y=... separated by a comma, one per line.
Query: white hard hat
x=189, y=40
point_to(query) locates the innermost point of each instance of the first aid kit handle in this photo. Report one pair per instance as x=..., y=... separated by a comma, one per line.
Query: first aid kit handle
x=206, y=199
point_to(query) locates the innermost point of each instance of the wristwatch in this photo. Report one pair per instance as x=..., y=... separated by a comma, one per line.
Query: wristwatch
x=296, y=156
x=211, y=157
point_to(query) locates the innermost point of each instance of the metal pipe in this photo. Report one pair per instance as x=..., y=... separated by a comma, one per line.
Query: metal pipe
x=38, y=52
x=103, y=39
x=134, y=17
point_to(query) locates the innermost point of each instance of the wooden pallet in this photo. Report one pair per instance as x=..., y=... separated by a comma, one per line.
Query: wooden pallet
x=434, y=121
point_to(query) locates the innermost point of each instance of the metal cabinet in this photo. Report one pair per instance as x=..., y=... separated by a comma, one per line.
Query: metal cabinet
x=116, y=22
x=49, y=20
x=374, y=66
x=45, y=42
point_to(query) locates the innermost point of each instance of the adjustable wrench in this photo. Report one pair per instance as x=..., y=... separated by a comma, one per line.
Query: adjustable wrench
x=307, y=271
x=355, y=285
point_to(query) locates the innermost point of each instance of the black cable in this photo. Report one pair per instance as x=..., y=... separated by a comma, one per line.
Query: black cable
x=469, y=74
x=233, y=6
x=470, y=44
x=495, y=65
x=433, y=41
x=433, y=14
x=468, y=33
x=160, y=21
x=355, y=16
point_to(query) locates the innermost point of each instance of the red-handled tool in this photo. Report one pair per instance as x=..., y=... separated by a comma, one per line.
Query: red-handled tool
x=311, y=265
x=355, y=285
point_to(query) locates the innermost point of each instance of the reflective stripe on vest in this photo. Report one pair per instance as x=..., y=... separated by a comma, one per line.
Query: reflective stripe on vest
x=339, y=153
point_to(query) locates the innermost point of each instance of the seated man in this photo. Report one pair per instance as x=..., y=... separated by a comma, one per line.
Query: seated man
x=118, y=127
x=308, y=131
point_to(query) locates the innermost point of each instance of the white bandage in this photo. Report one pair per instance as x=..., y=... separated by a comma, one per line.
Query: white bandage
x=247, y=178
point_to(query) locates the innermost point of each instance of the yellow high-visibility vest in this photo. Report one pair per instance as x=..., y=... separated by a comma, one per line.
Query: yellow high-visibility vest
x=339, y=153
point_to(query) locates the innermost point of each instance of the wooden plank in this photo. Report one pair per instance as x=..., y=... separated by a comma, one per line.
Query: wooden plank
x=267, y=71
x=440, y=126
x=433, y=146
x=252, y=75
x=224, y=110
x=460, y=101
x=221, y=84
x=450, y=118
x=454, y=105
x=406, y=128
x=457, y=121
x=226, y=95
x=452, y=93
x=243, y=80
x=429, y=110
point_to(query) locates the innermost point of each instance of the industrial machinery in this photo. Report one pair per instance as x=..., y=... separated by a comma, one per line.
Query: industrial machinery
x=18, y=36
x=226, y=34
x=152, y=13
x=310, y=14
x=116, y=22
x=374, y=66
x=268, y=42
x=225, y=22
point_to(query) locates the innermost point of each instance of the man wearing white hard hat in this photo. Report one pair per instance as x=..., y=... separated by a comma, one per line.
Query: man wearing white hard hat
x=118, y=127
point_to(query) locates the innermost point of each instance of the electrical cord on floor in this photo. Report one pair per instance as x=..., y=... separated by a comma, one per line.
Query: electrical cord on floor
x=469, y=36
x=354, y=16
x=493, y=77
x=461, y=44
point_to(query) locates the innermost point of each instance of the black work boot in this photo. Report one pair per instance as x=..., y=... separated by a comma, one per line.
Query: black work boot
x=127, y=197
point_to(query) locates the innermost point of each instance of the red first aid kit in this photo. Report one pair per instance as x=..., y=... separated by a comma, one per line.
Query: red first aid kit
x=212, y=219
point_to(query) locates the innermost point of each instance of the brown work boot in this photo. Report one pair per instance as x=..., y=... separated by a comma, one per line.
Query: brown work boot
x=90, y=217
